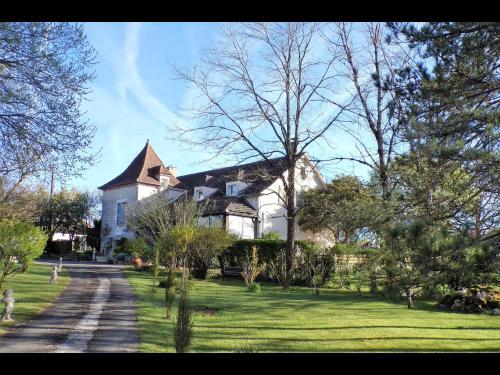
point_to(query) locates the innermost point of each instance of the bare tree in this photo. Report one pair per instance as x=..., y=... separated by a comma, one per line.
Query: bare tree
x=150, y=218
x=265, y=90
x=374, y=120
x=154, y=219
x=45, y=72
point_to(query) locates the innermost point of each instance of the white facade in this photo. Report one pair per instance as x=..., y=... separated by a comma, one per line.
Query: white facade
x=271, y=208
x=268, y=205
x=111, y=228
x=241, y=226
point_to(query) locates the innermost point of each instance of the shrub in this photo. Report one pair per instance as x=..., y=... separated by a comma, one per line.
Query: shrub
x=391, y=291
x=254, y=288
x=138, y=247
x=121, y=257
x=366, y=272
x=170, y=287
x=20, y=244
x=277, y=267
x=59, y=247
x=475, y=299
x=87, y=255
x=270, y=252
x=121, y=246
x=271, y=236
x=347, y=256
x=183, y=325
x=251, y=267
x=204, y=248
x=315, y=266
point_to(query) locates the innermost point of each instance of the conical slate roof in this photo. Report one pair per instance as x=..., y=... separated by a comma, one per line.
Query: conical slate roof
x=143, y=169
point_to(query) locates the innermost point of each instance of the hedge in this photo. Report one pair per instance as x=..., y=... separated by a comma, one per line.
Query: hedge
x=58, y=247
x=268, y=250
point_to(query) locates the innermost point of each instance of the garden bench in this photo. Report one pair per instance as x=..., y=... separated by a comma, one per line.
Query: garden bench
x=232, y=271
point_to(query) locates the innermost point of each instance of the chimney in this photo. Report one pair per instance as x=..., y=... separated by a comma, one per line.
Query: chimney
x=241, y=173
x=208, y=178
x=172, y=170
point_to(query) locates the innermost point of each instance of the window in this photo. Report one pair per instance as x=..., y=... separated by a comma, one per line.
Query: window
x=299, y=199
x=303, y=172
x=199, y=194
x=120, y=213
x=216, y=221
x=232, y=190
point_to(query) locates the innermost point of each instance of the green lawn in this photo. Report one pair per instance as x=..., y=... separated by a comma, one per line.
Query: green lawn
x=297, y=320
x=33, y=293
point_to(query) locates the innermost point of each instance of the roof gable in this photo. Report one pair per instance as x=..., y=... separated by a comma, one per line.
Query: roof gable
x=143, y=169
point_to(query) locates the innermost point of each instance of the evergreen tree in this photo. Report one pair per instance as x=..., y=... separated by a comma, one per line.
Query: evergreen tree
x=452, y=101
x=346, y=207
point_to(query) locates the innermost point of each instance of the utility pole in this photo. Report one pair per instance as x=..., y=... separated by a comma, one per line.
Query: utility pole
x=52, y=178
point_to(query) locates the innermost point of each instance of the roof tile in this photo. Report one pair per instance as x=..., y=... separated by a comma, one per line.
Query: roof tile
x=143, y=169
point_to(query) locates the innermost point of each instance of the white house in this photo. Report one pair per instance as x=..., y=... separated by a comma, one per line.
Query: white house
x=245, y=199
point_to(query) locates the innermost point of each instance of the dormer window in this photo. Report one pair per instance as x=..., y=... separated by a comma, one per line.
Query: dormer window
x=232, y=190
x=199, y=194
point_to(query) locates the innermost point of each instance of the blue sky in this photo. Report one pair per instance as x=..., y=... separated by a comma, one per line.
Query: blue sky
x=135, y=96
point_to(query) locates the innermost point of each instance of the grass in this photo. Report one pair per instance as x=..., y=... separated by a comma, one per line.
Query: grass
x=297, y=320
x=33, y=293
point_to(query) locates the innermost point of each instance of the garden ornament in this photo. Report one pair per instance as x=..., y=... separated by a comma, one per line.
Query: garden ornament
x=8, y=301
x=53, y=275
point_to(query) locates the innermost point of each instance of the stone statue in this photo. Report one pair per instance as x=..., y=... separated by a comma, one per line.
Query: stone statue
x=60, y=264
x=8, y=301
x=53, y=275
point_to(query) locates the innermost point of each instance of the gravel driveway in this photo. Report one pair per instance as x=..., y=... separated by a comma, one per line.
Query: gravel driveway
x=95, y=313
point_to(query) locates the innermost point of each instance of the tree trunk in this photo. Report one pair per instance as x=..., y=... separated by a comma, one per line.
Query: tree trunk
x=290, y=235
x=373, y=286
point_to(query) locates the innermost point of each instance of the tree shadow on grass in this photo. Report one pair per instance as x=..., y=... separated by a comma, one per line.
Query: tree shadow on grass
x=333, y=328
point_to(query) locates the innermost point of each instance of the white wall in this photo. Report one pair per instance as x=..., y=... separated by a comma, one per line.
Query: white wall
x=110, y=198
x=272, y=209
x=131, y=194
x=144, y=191
x=240, y=226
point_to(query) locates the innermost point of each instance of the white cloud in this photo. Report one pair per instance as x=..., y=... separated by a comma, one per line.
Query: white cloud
x=131, y=83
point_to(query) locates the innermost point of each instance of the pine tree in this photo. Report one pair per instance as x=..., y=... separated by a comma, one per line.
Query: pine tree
x=452, y=99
